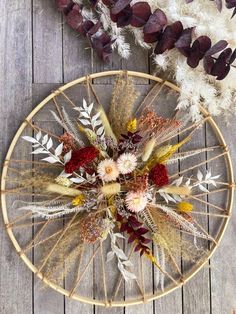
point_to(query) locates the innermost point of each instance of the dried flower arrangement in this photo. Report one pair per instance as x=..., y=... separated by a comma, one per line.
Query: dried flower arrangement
x=162, y=26
x=108, y=179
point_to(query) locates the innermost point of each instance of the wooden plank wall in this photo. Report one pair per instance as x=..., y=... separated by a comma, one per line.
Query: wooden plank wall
x=38, y=52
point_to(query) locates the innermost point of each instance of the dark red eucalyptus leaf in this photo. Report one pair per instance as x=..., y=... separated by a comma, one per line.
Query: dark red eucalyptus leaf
x=146, y=241
x=141, y=14
x=185, y=39
x=208, y=63
x=184, y=42
x=204, y=45
x=227, y=53
x=84, y=28
x=119, y=6
x=221, y=68
x=63, y=4
x=233, y=57
x=151, y=38
x=102, y=44
x=193, y=58
x=132, y=237
x=198, y=50
x=224, y=73
x=142, y=231
x=123, y=18
x=129, y=229
x=219, y=46
x=137, y=247
x=123, y=227
x=74, y=17
x=169, y=37
x=93, y=30
x=156, y=22
x=135, y=223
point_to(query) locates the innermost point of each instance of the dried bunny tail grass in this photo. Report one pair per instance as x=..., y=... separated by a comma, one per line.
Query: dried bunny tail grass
x=123, y=99
x=106, y=124
x=62, y=190
x=111, y=189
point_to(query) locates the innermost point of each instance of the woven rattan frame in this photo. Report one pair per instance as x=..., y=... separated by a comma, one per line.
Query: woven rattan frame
x=194, y=270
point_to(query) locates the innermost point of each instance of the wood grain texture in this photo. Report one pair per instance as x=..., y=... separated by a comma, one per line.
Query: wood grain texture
x=60, y=56
x=15, y=103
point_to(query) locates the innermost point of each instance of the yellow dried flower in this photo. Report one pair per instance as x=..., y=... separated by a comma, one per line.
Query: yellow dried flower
x=165, y=152
x=110, y=189
x=132, y=125
x=63, y=181
x=185, y=207
x=78, y=200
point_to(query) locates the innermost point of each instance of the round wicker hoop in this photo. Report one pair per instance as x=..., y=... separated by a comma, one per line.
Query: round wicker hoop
x=14, y=240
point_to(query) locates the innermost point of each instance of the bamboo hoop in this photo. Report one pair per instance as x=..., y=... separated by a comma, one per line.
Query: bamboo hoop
x=114, y=303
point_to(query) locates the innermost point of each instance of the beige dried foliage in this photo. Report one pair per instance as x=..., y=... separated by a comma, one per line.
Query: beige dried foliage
x=170, y=239
x=122, y=103
x=64, y=257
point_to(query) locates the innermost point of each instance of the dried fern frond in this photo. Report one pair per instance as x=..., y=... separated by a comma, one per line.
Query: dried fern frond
x=122, y=104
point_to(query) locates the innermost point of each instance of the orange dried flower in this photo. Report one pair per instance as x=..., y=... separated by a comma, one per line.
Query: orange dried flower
x=68, y=142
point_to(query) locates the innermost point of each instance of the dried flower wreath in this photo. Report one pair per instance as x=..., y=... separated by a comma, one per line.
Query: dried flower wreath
x=118, y=185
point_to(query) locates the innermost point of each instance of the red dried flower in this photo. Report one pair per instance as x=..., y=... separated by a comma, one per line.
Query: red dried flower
x=81, y=158
x=159, y=175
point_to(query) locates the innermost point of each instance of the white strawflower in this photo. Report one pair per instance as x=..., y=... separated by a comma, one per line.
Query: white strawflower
x=136, y=201
x=126, y=163
x=107, y=170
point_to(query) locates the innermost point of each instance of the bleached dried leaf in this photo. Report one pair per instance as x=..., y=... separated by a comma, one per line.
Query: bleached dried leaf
x=50, y=159
x=58, y=150
x=84, y=121
x=110, y=256
x=38, y=135
x=45, y=139
x=199, y=175
x=67, y=157
x=30, y=139
x=49, y=143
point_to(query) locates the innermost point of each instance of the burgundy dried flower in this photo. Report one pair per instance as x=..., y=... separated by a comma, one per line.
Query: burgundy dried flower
x=80, y=158
x=129, y=142
x=159, y=175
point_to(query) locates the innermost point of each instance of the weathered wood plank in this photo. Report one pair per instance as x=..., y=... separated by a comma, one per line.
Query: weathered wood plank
x=223, y=268
x=47, y=42
x=15, y=102
x=48, y=68
x=196, y=293
x=77, y=55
